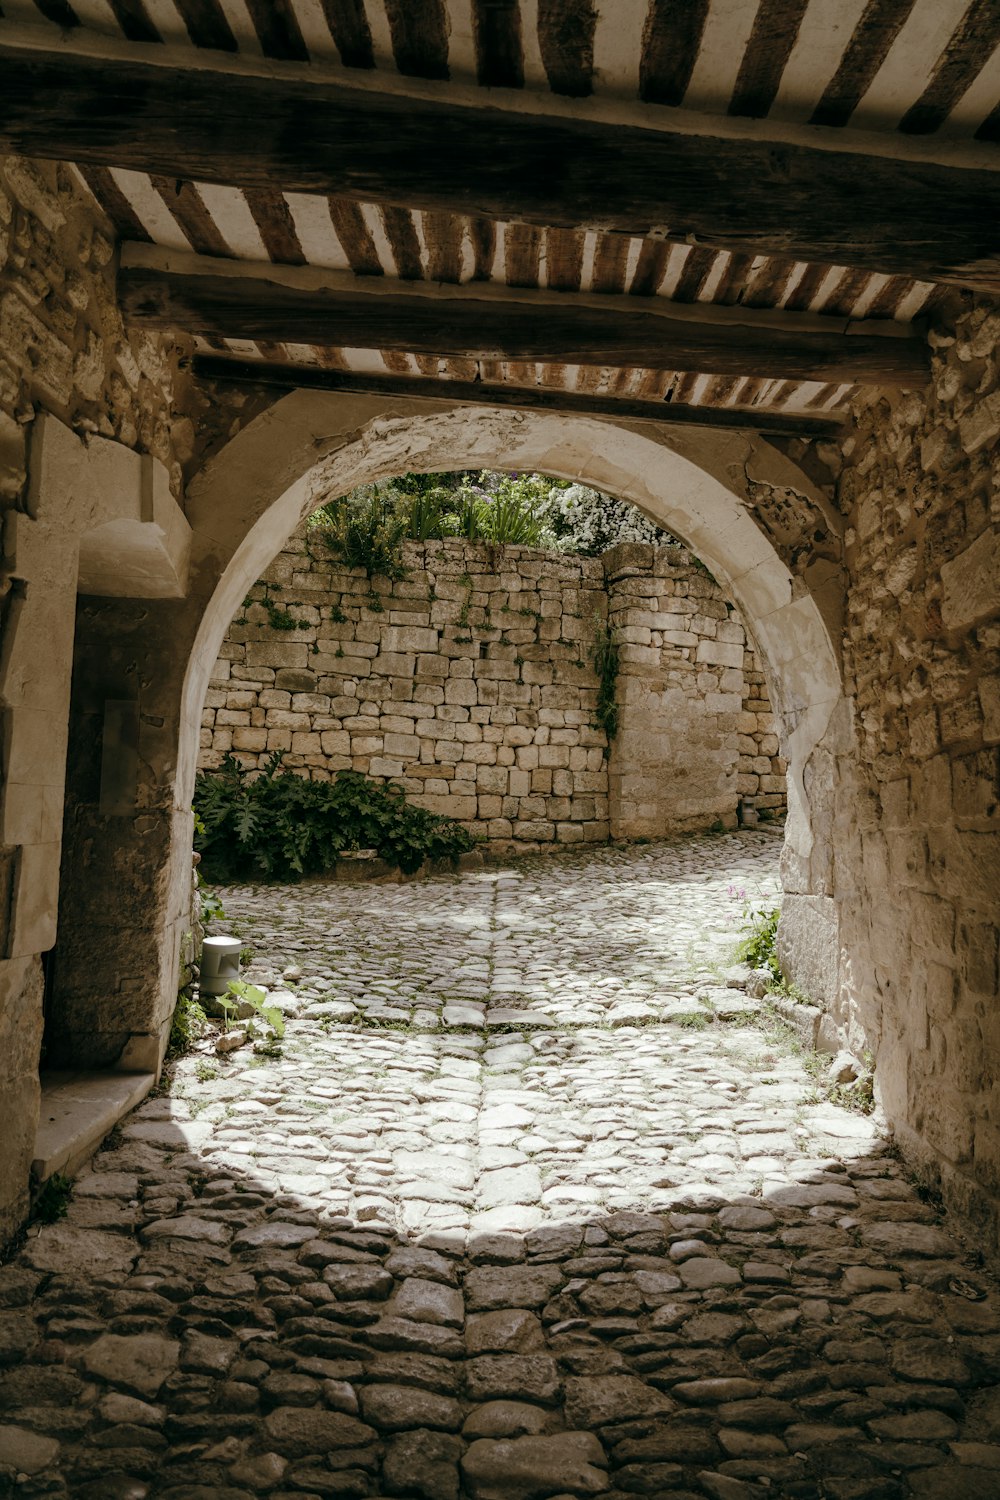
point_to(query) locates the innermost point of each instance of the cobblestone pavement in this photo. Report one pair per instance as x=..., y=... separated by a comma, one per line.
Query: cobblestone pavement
x=530, y=1207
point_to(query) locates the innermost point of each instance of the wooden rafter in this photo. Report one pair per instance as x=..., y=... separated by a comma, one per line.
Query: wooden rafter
x=205, y=296
x=529, y=398
x=748, y=193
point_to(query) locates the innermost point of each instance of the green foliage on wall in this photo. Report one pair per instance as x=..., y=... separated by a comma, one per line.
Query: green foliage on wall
x=367, y=527
x=605, y=657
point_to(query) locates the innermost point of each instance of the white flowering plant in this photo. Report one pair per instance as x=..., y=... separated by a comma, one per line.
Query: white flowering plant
x=588, y=522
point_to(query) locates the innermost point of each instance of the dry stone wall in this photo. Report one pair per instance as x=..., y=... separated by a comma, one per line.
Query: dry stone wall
x=471, y=682
x=917, y=809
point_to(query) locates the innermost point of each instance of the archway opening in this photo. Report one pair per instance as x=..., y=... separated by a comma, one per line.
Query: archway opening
x=309, y=447
x=249, y=498
x=529, y=657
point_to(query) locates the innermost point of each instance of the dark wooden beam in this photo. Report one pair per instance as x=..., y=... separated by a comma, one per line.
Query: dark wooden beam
x=212, y=298
x=882, y=212
x=527, y=398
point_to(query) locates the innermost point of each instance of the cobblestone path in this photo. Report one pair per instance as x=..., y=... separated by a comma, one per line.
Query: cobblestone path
x=530, y=1207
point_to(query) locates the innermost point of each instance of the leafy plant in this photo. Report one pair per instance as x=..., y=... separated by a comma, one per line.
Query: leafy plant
x=211, y=904
x=52, y=1201
x=759, y=926
x=240, y=994
x=605, y=657
x=364, y=529
x=262, y=825
x=187, y=1026
x=240, y=997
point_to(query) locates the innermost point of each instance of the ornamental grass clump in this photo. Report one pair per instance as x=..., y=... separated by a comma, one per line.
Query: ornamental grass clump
x=265, y=825
x=365, y=529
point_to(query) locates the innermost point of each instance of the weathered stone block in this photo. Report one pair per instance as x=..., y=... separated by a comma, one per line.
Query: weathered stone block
x=972, y=583
x=719, y=653
x=407, y=638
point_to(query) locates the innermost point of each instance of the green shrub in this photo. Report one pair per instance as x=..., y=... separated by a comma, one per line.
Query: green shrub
x=266, y=826
x=367, y=527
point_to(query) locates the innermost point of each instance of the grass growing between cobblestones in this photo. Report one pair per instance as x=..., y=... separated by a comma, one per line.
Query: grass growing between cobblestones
x=858, y=1096
x=757, y=946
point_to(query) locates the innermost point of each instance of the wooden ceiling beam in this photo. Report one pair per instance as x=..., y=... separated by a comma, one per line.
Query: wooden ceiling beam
x=213, y=298
x=875, y=210
x=526, y=398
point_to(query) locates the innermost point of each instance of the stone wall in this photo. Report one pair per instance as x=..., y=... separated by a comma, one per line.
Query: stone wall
x=471, y=682
x=63, y=346
x=917, y=846
x=64, y=353
x=695, y=720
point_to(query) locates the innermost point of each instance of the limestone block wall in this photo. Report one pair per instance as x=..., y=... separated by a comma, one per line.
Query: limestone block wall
x=917, y=845
x=65, y=352
x=471, y=683
x=697, y=733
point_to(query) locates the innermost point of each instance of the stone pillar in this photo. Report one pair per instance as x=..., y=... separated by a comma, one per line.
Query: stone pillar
x=808, y=940
x=673, y=764
x=917, y=856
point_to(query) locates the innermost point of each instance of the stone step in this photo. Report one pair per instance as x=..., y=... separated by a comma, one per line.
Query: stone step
x=77, y=1111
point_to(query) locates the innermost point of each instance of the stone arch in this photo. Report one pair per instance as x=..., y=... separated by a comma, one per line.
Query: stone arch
x=703, y=485
x=698, y=484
